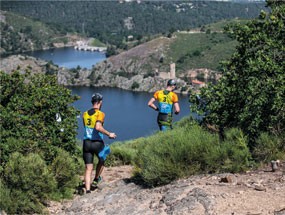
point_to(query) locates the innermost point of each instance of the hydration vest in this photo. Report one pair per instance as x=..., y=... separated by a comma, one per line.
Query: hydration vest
x=90, y=118
x=165, y=99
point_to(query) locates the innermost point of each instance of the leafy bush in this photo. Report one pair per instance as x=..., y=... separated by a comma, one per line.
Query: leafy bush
x=65, y=170
x=269, y=147
x=30, y=183
x=38, y=125
x=186, y=151
x=235, y=152
x=30, y=106
x=6, y=201
x=250, y=95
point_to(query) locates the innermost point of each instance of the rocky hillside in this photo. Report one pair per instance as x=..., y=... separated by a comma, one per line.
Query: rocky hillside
x=138, y=69
x=257, y=192
x=130, y=70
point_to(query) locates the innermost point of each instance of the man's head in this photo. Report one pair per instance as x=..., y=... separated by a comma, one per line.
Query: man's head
x=96, y=98
x=171, y=84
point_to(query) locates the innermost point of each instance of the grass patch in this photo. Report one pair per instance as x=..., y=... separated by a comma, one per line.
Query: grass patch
x=219, y=26
x=200, y=50
x=97, y=43
x=37, y=29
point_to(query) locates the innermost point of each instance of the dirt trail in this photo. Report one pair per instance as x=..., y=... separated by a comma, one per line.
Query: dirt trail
x=253, y=193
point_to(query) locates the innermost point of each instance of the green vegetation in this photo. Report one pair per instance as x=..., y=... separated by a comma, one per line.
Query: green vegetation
x=219, y=26
x=20, y=34
x=251, y=92
x=189, y=149
x=200, y=50
x=39, y=154
x=40, y=157
x=135, y=85
x=108, y=20
x=97, y=43
x=246, y=107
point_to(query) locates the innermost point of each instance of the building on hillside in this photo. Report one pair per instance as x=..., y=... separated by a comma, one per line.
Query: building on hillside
x=168, y=75
x=129, y=23
x=197, y=84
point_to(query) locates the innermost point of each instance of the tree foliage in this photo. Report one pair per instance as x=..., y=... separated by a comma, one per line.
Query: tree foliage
x=37, y=111
x=106, y=20
x=251, y=93
x=38, y=141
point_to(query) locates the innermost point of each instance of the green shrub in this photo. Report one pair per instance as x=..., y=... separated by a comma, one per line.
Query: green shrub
x=186, y=151
x=28, y=114
x=135, y=85
x=269, y=147
x=65, y=170
x=235, y=152
x=5, y=200
x=121, y=155
x=30, y=183
x=250, y=95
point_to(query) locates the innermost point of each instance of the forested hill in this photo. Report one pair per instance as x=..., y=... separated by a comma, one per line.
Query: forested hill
x=113, y=21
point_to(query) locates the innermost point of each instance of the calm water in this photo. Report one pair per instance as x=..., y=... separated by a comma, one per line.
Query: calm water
x=69, y=57
x=126, y=112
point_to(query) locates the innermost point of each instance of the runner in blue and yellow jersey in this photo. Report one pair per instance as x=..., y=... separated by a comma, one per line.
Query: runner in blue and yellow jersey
x=93, y=121
x=167, y=100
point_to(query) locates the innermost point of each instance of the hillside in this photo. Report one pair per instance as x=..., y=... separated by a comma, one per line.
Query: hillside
x=113, y=21
x=143, y=67
x=200, y=50
x=20, y=34
x=146, y=66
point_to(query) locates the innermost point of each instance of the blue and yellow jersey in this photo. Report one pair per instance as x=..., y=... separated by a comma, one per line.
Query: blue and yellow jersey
x=165, y=99
x=90, y=118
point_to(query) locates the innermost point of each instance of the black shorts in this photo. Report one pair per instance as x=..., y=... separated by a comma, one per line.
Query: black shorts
x=164, y=119
x=90, y=148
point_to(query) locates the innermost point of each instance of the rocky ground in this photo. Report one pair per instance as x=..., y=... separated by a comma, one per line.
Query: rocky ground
x=253, y=193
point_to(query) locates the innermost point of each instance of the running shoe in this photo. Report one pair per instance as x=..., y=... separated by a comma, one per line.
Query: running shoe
x=97, y=181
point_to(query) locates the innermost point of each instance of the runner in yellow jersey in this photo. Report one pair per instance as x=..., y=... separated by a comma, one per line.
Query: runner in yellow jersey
x=93, y=121
x=167, y=100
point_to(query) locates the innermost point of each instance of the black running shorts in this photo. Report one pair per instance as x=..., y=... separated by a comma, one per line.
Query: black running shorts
x=90, y=148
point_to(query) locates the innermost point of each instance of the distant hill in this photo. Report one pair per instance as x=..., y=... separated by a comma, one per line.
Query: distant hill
x=113, y=21
x=20, y=34
x=199, y=50
x=140, y=68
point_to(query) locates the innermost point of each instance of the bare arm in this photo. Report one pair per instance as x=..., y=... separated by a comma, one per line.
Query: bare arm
x=151, y=104
x=177, y=108
x=99, y=127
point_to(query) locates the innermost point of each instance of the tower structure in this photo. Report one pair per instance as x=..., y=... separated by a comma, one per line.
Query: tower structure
x=172, y=71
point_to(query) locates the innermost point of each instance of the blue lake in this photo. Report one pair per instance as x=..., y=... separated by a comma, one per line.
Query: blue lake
x=69, y=57
x=127, y=113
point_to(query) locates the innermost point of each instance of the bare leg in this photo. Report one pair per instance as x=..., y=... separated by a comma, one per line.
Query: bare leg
x=87, y=175
x=99, y=169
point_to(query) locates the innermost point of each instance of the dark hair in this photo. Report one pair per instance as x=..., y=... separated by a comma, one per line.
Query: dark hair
x=96, y=97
